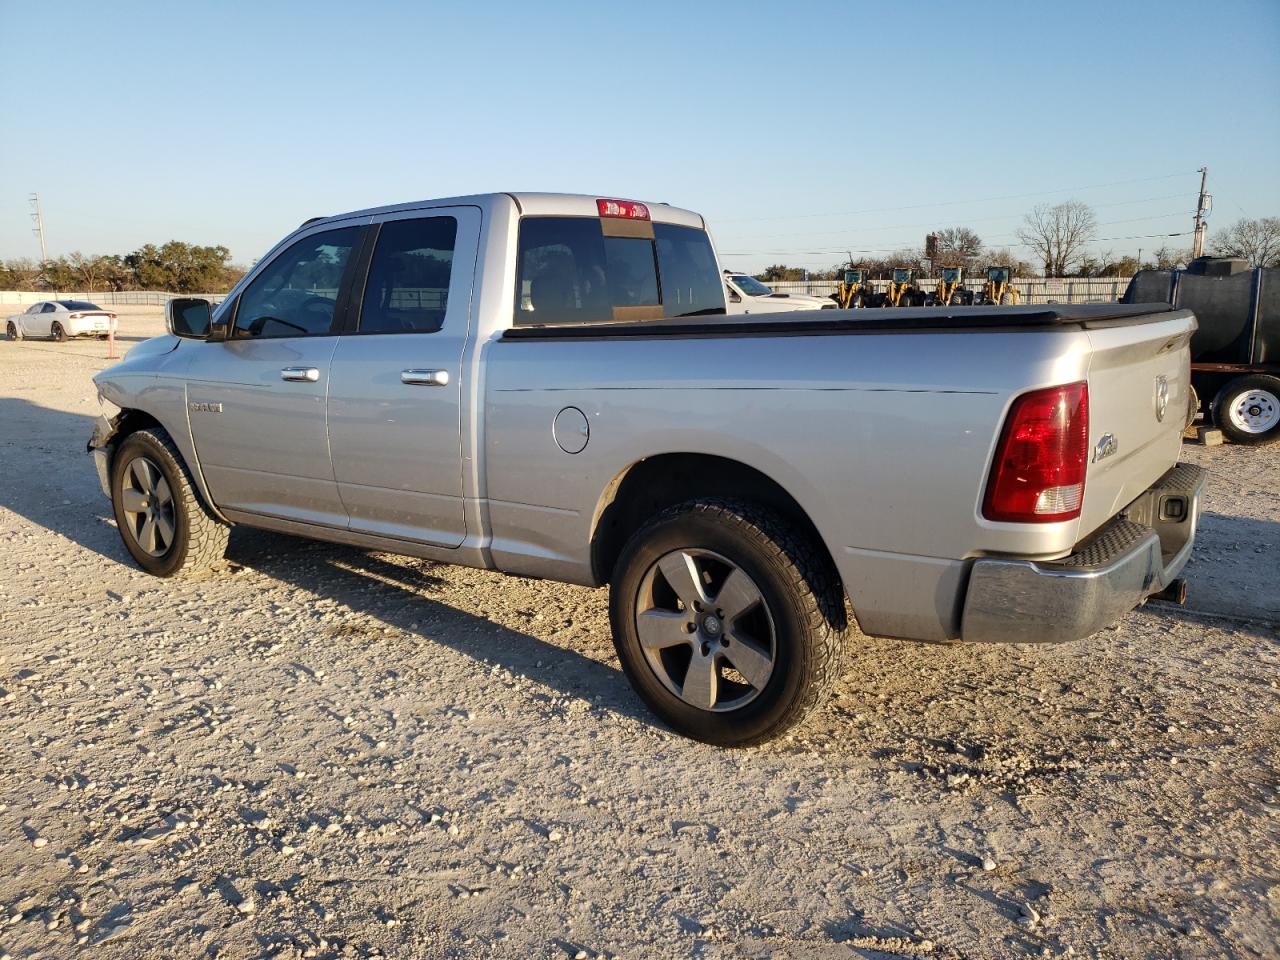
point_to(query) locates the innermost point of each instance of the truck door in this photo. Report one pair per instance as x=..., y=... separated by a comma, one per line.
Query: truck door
x=256, y=401
x=394, y=391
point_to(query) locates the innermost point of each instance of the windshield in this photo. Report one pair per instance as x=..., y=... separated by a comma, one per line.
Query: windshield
x=750, y=285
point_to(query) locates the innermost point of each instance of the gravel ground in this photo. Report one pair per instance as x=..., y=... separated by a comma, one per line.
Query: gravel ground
x=323, y=752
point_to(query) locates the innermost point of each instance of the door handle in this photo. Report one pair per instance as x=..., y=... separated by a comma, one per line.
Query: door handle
x=302, y=374
x=425, y=378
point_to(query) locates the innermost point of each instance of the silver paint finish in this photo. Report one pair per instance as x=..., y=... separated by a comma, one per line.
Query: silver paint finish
x=884, y=439
x=397, y=451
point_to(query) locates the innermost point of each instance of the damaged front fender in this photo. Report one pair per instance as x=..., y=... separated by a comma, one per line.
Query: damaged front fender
x=101, y=442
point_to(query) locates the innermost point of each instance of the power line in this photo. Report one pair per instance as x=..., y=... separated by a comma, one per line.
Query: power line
x=1004, y=239
x=948, y=203
x=933, y=223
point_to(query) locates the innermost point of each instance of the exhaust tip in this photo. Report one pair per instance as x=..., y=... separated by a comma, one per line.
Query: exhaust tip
x=1175, y=592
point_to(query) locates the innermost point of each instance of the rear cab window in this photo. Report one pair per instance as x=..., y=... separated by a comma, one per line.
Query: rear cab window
x=600, y=270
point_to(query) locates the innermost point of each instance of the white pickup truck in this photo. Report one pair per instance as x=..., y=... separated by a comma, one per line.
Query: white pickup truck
x=746, y=294
x=549, y=385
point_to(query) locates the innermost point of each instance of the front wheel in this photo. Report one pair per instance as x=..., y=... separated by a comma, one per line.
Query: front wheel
x=165, y=525
x=729, y=626
x=12, y=330
x=1247, y=410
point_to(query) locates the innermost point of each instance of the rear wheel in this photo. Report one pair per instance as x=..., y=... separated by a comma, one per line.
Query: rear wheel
x=165, y=525
x=12, y=330
x=58, y=332
x=730, y=627
x=1247, y=410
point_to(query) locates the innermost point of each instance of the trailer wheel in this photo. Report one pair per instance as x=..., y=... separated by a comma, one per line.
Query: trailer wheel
x=1247, y=409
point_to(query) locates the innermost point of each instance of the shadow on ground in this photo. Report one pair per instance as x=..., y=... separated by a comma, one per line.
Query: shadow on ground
x=63, y=496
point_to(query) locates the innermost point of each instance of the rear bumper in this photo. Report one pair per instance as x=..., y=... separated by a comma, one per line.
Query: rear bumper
x=1138, y=553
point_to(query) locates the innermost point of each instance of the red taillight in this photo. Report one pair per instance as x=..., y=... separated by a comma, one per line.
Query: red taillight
x=625, y=209
x=74, y=316
x=1038, y=474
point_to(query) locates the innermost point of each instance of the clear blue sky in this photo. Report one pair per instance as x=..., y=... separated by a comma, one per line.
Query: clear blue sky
x=798, y=129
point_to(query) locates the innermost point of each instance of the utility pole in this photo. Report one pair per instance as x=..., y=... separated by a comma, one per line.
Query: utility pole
x=1203, y=206
x=38, y=229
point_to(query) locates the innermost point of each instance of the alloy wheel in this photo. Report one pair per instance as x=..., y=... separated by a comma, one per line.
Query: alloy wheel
x=147, y=503
x=705, y=630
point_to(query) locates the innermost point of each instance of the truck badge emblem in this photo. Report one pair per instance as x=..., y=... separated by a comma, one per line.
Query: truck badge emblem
x=202, y=406
x=1162, y=397
x=1105, y=447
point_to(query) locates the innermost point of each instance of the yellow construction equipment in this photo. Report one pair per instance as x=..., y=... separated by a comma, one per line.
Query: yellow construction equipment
x=902, y=291
x=951, y=291
x=999, y=289
x=855, y=291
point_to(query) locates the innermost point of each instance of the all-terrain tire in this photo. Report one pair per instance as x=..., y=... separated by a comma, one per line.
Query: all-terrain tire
x=1247, y=409
x=200, y=538
x=799, y=591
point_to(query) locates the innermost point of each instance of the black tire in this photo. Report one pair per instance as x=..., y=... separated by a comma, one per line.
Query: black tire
x=58, y=333
x=858, y=302
x=799, y=593
x=1243, y=421
x=199, y=538
x=12, y=331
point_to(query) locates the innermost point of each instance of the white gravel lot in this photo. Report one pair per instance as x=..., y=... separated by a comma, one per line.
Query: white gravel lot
x=323, y=752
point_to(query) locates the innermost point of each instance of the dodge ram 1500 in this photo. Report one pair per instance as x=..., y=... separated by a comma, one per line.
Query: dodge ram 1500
x=549, y=385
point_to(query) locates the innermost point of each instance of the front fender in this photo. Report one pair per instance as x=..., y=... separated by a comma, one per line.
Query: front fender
x=114, y=424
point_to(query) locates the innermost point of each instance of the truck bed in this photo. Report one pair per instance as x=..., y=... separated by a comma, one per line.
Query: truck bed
x=829, y=322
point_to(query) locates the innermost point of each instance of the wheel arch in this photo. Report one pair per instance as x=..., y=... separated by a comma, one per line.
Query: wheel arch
x=651, y=485
x=132, y=419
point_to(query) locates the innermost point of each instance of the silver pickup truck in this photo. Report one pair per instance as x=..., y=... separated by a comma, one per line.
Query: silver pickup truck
x=549, y=385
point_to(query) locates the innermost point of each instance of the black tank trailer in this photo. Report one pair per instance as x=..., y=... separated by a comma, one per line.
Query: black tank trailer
x=1235, y=353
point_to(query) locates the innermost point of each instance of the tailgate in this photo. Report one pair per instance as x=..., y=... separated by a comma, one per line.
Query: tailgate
x=1139, y=391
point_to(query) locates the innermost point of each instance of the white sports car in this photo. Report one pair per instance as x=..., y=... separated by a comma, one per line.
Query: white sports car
x=60, y=319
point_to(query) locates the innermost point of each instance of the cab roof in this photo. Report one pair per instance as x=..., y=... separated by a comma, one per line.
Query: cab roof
x=530, y=205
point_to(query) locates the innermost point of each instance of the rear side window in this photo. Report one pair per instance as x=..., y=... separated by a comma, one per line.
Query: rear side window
x=408, y=286
x=690, y=276
x=570, y=270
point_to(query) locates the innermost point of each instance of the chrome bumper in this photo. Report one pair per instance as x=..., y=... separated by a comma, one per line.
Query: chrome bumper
x=1140, y=552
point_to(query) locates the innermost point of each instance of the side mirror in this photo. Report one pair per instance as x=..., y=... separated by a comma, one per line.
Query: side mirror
x=188, y=317
x=192, y=319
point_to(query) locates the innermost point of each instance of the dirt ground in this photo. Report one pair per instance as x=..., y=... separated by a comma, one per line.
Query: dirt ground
x=323, y=752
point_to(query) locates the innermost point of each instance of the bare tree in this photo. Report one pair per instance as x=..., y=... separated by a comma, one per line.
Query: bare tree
x=1257, y=241
x=1168, y=259
x=958, y=246
x=1058, y=234
x=89, y=269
